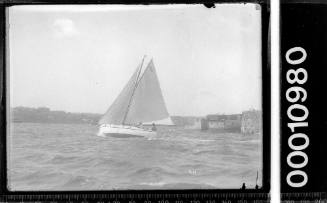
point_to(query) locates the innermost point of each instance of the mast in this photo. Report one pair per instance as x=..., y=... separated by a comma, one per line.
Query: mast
x=135, y=86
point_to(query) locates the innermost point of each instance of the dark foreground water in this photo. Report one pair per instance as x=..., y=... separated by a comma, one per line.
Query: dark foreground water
x=72, y=157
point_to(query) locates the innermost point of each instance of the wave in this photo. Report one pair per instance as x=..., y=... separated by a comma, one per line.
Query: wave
x=41, y=175
x=249, y=141
x=64, y=159
x=32, y=156
x=78, y=181
x=199, y=152
x=194, y=166
x=161, y=183
x=172, y=186
x=60, y=159
x=151, y=172
x=182, y=139
x=110, y=162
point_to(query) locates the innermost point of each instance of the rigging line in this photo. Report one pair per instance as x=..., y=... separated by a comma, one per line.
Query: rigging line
x=151, y=61
x=135, y=86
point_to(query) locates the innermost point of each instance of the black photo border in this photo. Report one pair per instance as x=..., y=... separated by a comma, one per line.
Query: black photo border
x=121, y=195
x=303, y=24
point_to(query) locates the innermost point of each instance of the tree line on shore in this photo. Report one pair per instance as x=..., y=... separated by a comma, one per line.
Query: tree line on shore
x=45, y=115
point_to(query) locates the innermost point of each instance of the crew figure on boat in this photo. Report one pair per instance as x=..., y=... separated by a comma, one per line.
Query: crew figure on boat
x=139, y=125
x=154, y=128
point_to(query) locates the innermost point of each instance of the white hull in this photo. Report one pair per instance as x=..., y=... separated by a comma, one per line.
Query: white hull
x=124, y=131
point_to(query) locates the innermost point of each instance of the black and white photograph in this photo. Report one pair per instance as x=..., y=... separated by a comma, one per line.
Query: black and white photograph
x=134, y=97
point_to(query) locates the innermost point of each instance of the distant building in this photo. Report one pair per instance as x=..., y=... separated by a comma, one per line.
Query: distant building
x=204, y=124
x=248, y=122
x=224, y=122
x=187, y=121
x=197, y=123
x=251, y=122
x=233, y=124
x=216, y=121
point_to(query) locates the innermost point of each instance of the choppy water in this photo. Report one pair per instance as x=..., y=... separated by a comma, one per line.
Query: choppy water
x=72, y=157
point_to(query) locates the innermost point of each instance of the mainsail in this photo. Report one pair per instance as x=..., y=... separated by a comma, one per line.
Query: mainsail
x=140, y=101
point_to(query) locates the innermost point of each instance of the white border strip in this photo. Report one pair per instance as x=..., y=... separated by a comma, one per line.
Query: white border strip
x=275, y=102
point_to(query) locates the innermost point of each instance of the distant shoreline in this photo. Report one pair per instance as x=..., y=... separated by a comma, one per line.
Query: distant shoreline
x=46, y=115
x=31, y=122
x=246, y=122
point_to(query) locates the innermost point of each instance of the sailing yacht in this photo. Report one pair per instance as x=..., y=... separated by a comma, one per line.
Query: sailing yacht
x=140, y=102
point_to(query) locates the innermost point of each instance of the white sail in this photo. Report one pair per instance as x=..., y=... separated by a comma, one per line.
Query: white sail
x=140, y=101
x=147, y=103
x=117, y=111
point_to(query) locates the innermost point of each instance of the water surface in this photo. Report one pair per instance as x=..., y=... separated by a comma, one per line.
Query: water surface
x=72, y=157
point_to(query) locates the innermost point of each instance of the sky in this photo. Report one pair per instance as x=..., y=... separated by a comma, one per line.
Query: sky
x=79, y=58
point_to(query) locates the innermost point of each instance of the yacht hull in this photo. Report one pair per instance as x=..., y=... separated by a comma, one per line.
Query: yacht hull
x=124, y=131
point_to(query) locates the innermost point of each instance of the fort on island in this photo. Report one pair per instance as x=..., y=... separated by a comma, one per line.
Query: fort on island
x=248, y=122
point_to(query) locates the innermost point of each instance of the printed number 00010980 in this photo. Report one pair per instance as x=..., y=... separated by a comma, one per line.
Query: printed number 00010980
x=295, y=95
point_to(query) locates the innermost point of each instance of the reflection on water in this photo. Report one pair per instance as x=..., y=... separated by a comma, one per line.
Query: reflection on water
x=72, y=157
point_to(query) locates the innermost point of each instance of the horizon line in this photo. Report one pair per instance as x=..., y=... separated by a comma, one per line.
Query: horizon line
x=250, y=109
